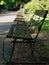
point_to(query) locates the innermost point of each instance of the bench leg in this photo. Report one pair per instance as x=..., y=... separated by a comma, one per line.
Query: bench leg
x=32, y=49
x=14, y=41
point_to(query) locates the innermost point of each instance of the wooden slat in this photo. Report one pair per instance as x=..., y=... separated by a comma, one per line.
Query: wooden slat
x=40, y=13
x=20, y=30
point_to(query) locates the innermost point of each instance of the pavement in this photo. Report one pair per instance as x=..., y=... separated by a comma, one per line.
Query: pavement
x=6, y=20
x=7, y=17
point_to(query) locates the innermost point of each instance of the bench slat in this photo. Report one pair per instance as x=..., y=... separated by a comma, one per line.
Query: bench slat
x=40, y=13
x=21, y=31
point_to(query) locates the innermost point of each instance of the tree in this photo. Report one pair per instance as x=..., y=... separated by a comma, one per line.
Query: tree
x=13, y=4
x=38, y=4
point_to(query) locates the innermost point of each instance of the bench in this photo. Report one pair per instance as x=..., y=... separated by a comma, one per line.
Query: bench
x=24, y=30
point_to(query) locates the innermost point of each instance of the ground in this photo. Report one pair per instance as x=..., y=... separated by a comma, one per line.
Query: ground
x=23, y=52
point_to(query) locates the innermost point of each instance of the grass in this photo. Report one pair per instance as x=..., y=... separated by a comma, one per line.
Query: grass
x=45, y=27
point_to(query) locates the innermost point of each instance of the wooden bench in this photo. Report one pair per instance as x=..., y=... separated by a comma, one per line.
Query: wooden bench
x=24, y=29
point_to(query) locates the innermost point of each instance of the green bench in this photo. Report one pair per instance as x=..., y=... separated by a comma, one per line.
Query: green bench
x=24, y=30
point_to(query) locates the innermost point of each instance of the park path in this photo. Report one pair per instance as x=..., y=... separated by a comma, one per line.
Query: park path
x=6, y=19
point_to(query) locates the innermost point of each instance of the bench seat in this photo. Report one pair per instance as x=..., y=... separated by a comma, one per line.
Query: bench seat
x=21, y=31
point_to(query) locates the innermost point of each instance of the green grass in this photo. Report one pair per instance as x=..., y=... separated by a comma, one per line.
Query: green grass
x=45, y=29
x=45, y=26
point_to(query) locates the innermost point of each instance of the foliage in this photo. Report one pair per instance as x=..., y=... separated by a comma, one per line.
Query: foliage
x=32, y=5
x=44, y=4
x=12, y=4
x=38, y=4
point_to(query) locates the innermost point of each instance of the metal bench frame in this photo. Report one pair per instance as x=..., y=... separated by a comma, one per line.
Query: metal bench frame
x=30, y=41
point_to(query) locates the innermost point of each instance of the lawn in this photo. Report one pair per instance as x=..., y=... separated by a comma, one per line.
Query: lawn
x=45, y=27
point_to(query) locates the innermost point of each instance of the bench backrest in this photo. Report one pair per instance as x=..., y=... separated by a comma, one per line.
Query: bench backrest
x=41, y=13
x=38, y=15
